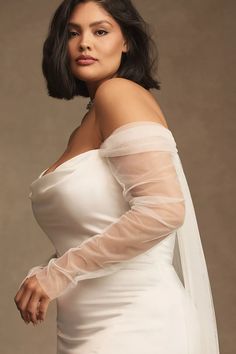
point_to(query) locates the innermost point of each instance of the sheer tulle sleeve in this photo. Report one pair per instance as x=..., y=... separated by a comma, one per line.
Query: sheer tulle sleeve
x=140, y=157
x=35, y=269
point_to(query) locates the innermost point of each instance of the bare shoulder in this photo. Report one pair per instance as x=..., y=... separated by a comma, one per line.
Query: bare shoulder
x=119, y=101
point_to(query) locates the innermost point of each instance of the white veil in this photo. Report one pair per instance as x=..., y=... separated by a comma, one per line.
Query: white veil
x=189, y=262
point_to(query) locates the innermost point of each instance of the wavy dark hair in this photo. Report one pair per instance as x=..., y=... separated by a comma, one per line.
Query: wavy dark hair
x=138, y=64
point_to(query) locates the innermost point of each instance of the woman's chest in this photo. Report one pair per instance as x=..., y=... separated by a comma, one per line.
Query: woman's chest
x=84, y=138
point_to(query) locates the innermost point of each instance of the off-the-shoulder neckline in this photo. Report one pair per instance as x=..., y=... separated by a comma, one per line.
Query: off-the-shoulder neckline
x=138, y=122
x=126, y=125
x=42, y=174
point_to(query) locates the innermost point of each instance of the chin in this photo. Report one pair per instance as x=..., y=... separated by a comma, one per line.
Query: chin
x=90, y=73
x=91, y=77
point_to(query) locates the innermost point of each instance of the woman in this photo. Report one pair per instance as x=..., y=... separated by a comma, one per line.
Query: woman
x=116, y=201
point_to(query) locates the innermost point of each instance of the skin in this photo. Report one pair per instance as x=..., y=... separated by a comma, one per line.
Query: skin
x=106, y=43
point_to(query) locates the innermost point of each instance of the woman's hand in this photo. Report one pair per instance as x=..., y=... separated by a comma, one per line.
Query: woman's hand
x=32, y=301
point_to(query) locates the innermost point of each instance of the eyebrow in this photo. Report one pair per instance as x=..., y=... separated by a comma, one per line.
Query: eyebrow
x=73, y=24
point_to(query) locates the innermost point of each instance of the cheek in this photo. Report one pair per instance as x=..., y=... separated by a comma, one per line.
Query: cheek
x=111, y=47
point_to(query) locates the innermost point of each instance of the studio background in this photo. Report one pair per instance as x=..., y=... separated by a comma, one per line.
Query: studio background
x=197, y=73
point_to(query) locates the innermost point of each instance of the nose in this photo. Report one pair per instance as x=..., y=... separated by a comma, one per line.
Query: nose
x=84, y=42
x=84, y=46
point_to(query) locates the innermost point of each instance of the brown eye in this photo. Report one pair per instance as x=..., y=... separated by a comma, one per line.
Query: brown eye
x=72, y=34
x=101, y=31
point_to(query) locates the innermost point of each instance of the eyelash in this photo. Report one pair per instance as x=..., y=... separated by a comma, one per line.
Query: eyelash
x=73, y=32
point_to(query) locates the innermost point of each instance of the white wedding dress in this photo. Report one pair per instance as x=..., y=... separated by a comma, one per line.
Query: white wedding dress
x=123, y=226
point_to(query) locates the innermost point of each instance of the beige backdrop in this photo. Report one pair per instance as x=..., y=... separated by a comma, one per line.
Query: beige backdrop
x=195, y=41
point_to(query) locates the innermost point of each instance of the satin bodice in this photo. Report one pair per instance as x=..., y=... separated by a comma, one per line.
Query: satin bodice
x=79, y=199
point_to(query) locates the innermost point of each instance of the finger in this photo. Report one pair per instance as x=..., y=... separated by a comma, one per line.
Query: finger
x=42, y=308
x=22, y=304
x=19, y=293
x=21, y=300
x=32, y=307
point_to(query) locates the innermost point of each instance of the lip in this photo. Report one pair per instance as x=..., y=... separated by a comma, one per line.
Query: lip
x=84, y=56
x=85, y=61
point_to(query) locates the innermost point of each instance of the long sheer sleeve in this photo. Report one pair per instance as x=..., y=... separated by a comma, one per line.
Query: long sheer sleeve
x=140, y=157
x=37, y=268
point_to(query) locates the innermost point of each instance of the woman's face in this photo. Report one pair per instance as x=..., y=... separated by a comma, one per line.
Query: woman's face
x=104, y=42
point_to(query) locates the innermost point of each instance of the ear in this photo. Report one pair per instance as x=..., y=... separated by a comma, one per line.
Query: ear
x=125, y=47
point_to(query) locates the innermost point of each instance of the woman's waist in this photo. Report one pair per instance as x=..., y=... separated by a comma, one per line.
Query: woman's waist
x=124, y=287
x=128, y=281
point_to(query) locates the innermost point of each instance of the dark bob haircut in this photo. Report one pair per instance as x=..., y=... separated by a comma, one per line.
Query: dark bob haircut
x=136, y=65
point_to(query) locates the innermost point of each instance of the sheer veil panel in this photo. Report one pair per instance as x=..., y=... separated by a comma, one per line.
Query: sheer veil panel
x=190, y=257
